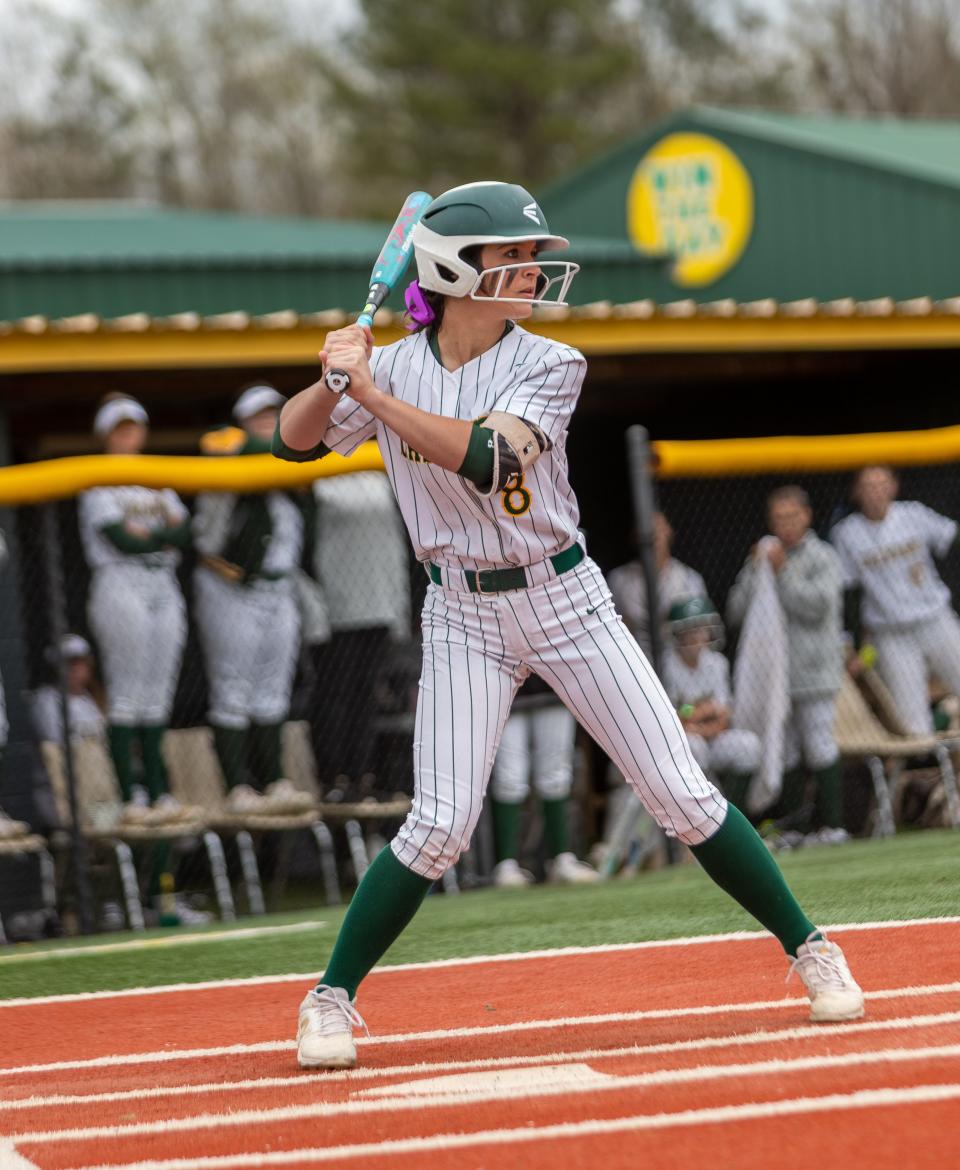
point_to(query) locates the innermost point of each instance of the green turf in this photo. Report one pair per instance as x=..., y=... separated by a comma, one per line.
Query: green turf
x=911, y=876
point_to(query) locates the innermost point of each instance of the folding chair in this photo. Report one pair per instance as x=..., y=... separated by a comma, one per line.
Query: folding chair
x=33, y=845
x=99, y=807
x=196, y=778
x=861, y=735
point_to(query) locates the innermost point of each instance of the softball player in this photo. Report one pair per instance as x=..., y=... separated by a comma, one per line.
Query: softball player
x=887, y=549
x=471, y=414
x=696, y=676
x=132, y=538
x=248, y=548
x=537, y=744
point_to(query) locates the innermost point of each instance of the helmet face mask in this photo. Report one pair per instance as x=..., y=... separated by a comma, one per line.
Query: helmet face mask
x=475, y=214
x=696, y=613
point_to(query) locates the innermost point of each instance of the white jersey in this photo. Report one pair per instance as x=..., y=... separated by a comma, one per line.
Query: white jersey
x=103, y=506
x=709, y=679
x=361, y=560
x=212, y=529
x=83, y=714
x=449, y=522
x=891, y=559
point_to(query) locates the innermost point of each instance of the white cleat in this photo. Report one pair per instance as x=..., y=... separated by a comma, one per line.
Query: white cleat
x=567, y=870
x=325, y=1029
x=834, y=993
x=508, y=874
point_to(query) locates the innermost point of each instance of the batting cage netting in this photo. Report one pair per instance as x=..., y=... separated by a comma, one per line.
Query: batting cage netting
x=234, y=647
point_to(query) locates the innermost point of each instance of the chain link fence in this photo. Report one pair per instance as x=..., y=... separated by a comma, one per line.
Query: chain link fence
x=809, y=641
x=239, y=675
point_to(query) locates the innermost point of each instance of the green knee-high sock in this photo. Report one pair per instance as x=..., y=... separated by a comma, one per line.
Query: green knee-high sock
x=556, y=826
x=739, y=863
x=830, y=795
x=230, y=743
x=121, y=740
x=506, y=827
x=154, y=769
x=265, y=753
x=385, y=901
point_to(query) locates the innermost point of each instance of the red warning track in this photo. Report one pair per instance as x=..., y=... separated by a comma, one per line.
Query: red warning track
x=598, y=1058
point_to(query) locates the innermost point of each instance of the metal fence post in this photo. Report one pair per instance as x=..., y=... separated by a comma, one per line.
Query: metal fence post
x=640, y=464
x=640, y=467
x=58, y=627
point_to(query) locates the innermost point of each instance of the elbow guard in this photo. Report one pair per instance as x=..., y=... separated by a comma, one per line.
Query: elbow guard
x=516, y=444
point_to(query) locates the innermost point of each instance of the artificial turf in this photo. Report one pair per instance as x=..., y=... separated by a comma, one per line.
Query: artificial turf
x=915, y=875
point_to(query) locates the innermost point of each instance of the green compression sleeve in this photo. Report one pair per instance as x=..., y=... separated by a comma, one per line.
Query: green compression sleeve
x=282, y=451
x=477, y=465
x=127, y=543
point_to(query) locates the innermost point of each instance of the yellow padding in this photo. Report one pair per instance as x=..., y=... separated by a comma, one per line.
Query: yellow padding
x=788, y=453
x=54, y=479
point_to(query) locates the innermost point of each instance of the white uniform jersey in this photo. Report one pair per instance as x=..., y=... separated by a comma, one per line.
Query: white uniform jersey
x=85, y=717
x=449, y=522
x=362, y=560
x=709, y=679
x=212, y=521
x=103, y=506
x=891, y=559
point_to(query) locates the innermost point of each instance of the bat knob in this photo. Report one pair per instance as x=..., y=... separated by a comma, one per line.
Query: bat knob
x=337, y=380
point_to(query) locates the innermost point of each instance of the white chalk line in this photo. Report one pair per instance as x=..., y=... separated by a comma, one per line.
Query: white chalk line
x=862, y=1099
x=166, y=1055
x=490, y=1092
x=358, y=1075
x=468, y=961
x=11, y=1160
x=161, y=943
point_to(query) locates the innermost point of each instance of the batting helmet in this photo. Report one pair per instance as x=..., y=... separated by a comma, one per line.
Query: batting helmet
x=694, y=613
x=485, y=213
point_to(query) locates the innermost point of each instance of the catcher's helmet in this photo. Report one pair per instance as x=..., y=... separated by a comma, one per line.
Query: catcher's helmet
x=485, y=213
x=692, y=613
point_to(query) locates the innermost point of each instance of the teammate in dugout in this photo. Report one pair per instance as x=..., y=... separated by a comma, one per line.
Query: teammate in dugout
x=132, y=537
x=248, y=547
x=471, y=413
x=886, y=550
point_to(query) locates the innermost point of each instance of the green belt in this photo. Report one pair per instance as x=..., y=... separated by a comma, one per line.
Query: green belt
x=500, y=580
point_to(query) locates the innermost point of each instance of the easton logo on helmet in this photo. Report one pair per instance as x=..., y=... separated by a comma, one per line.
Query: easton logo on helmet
x=531, y=211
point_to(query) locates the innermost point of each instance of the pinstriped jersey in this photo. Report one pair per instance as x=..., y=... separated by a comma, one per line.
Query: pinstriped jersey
x=449, y=522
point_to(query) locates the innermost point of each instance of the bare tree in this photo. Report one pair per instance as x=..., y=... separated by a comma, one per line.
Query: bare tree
x=219, y=104
x=880, y=56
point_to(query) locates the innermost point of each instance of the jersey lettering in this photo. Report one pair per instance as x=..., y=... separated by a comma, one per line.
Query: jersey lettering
x=409, y=453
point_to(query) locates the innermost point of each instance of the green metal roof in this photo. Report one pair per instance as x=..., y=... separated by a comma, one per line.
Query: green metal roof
x=111, y=259
x=77, y=234
x=918, y=149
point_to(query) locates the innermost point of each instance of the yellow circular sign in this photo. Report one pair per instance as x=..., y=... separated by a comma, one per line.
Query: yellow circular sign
x=692, y=198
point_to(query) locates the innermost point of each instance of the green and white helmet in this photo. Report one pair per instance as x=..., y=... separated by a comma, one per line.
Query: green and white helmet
x=693, y=613
x=486, y=213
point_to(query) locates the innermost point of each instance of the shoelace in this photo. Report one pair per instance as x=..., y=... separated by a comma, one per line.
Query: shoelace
x=830, y=967
x=327, y=997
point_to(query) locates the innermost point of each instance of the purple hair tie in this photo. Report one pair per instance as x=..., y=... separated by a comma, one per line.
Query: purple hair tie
x=418, y=310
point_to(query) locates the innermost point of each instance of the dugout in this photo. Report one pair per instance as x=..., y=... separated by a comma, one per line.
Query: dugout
x=744, y=273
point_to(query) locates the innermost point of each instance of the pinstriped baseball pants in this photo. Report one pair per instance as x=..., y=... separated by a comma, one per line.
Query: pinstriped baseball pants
x=476, y=652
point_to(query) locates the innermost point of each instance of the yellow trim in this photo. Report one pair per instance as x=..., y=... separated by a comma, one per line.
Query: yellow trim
x=106, y=349
x=32, y=483
x=718, y=457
